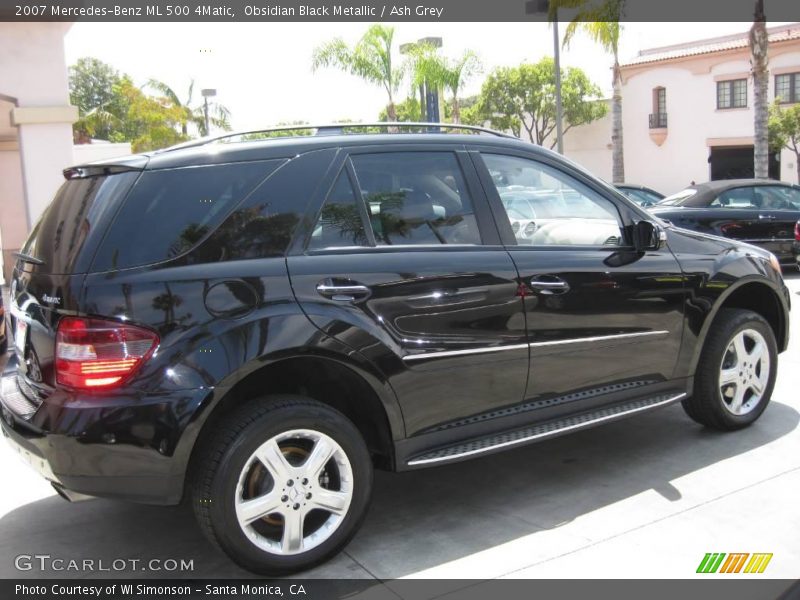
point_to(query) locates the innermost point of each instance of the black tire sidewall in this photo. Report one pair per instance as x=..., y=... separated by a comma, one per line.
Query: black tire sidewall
x=223, y=514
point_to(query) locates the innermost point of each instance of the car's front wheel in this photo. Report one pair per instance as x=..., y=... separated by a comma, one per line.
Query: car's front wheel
x=736, y=372
x=283, y=484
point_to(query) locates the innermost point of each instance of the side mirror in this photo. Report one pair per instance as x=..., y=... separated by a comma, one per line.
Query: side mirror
x=648, y=236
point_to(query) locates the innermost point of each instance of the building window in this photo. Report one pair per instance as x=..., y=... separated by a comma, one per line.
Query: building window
x=658, y=118
x=787, y=88
x=732, y=94
x=660, y=100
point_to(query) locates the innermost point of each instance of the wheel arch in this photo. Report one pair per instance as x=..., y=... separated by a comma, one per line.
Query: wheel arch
x=752, y=293
x=330, y=379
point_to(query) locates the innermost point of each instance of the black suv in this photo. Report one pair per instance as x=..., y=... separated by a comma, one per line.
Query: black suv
x=255, y=324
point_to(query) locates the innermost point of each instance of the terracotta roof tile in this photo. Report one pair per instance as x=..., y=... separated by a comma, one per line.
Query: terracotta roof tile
x=730, y=42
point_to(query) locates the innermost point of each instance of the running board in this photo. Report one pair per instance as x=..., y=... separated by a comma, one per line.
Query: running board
x=542, y=430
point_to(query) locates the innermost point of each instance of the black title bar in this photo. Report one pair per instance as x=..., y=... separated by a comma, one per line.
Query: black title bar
x=376, y=10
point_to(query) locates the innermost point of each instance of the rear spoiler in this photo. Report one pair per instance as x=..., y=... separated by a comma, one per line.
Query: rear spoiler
x=136, y=162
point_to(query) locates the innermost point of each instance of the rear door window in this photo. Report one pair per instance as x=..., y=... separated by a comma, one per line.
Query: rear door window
x=169, y=211
x=340, y=223
x=416, y=198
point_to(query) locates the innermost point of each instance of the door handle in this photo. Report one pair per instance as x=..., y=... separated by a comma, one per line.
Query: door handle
x=342, y=291
x=767, y=217
x=549, y=284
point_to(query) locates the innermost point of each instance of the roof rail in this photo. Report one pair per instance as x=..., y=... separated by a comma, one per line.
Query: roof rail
x=338, y=129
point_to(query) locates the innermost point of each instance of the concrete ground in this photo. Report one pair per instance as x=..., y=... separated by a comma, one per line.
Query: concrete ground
x=644, y=497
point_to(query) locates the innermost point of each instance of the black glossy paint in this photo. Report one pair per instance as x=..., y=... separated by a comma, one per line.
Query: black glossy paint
x=769, y=227
x=243, y=299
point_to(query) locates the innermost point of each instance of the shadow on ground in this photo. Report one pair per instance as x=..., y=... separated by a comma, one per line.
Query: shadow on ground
x=419, y=519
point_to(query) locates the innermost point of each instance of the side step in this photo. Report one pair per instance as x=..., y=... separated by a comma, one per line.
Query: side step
x=541, y=431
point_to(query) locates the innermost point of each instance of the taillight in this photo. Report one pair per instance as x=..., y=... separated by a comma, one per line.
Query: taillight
x=100, y=354
x=797, y=232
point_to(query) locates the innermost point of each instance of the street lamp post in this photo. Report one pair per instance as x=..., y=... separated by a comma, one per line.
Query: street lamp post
x=207, y=93
x=559, y=109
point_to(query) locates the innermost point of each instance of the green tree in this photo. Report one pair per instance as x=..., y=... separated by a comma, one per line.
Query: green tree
x=370, y=59
x=408, y=110
x=148, y=123
x=457, y=73
x=784, y=130
x=91, y=89
x=218, y=115
x=522, y=99
x=759, y=45
x=601, y=22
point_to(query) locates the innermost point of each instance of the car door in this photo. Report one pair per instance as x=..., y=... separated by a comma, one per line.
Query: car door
x=604, y=321
x=403, y=263
x=778, y=212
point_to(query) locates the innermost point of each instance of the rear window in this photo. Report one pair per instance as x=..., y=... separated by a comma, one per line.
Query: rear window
x=678, y=199
x=70, y=228
x=170, y=211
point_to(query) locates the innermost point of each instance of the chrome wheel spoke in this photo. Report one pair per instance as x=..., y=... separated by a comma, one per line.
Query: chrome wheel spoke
x=739, y=348
x=292, y=539
x=256, y=508
x=738, y=399
x=757, y=352
x=728, y=376
x=319, y=457
x=272, y=458
x=334, y=502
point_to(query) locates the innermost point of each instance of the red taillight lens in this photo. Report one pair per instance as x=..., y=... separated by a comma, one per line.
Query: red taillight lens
x=797, y=231
x=98, y=354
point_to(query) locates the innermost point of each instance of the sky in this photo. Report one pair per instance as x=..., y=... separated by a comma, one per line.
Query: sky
x=262, y=71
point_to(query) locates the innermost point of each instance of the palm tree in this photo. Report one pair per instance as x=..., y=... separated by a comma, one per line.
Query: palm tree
x=431, y=69
x=219, y=115
x=759, y=44
x=601, y=24
x=370, y=59
x=457, y=73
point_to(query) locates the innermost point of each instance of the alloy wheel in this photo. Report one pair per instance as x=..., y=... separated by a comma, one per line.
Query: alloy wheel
x=294, y=492
x=744, y=372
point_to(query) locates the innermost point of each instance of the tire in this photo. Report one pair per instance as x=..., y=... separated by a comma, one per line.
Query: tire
x=289, y=433
x=732, y=351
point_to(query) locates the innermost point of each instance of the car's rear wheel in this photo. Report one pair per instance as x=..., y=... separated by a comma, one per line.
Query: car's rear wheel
x=736, y=372
x=283, y=484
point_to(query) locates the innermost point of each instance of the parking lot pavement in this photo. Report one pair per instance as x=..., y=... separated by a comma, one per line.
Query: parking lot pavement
x=643, y=497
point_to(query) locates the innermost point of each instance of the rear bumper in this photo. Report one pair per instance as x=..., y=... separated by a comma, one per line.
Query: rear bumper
x=124, y=447
x=784, y=250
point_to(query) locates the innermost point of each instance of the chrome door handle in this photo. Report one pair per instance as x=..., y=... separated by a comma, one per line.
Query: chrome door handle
x=342, y=292
x=551, y=285
x=768, y=217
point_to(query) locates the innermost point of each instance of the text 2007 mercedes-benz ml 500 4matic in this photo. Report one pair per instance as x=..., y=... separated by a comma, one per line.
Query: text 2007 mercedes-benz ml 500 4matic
x=256, y=325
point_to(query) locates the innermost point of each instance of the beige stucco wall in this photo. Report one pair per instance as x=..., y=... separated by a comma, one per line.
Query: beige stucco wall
x=694, y=123
x=36, y=135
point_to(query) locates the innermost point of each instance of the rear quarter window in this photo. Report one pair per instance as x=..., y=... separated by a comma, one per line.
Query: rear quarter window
x=168, y=212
